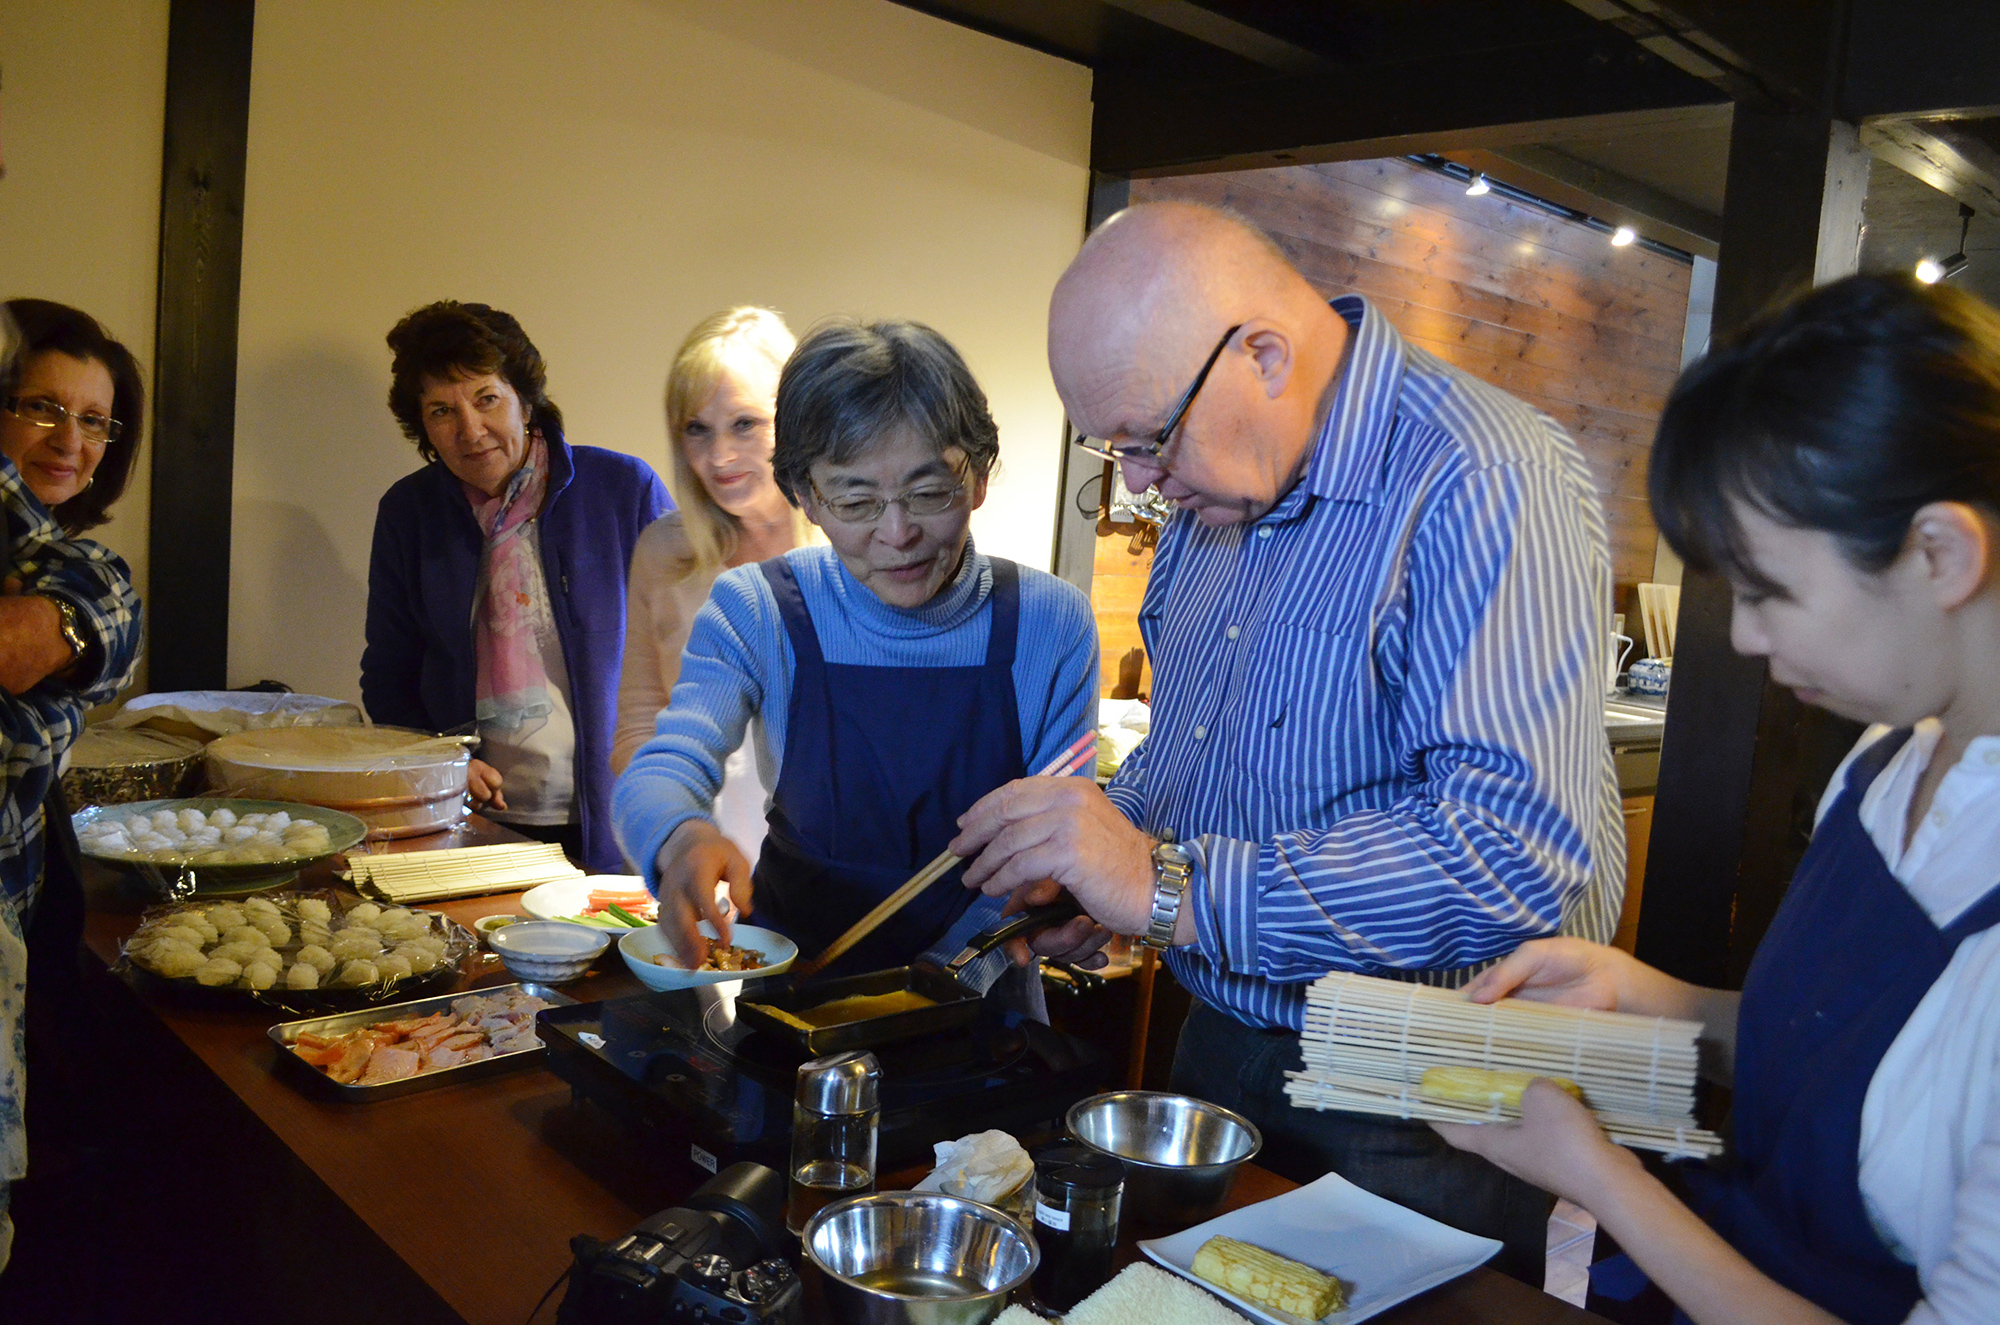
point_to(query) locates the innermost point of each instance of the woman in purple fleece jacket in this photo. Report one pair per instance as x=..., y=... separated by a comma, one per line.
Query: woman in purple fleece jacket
x=496, y=588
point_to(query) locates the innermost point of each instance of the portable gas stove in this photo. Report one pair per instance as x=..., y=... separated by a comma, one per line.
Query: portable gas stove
x=677, y=1065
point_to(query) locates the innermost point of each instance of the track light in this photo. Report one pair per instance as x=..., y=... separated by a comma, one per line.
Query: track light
x=1478, y=186
x=1932, y=270
x=1622, y=236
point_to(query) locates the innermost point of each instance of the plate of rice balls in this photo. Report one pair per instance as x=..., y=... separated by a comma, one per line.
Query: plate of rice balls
x=305, y=950
x=228, y=847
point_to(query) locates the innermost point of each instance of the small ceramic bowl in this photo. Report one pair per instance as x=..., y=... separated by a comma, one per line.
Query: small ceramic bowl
x=552, y=952
x=1650, y=676
x=641, y=949
x=485, y=925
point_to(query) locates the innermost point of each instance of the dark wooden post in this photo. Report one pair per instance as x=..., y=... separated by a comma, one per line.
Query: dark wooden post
x=194, y=394
x=1076, y=530
x=1742, y=761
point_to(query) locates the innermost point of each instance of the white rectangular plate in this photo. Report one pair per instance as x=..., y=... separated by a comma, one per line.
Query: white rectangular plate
x=1385, y=1253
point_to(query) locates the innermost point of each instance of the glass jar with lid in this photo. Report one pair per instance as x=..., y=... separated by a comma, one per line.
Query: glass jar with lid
x=1077, y=1197
x=836, y=1114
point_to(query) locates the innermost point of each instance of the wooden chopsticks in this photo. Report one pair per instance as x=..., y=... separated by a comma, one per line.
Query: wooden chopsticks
x=1069, y=761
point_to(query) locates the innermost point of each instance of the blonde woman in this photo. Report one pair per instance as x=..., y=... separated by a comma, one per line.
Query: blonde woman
x=720, y=394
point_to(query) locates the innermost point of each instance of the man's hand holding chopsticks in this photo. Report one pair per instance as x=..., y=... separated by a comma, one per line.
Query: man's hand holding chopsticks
x=1037, y=836
x=695, y=858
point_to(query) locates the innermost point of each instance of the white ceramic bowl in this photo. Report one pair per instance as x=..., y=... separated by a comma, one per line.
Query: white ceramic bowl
x=640, y=946
x=552, y=952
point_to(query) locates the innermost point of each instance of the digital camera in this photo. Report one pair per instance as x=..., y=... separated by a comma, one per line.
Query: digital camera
x=714, y=1259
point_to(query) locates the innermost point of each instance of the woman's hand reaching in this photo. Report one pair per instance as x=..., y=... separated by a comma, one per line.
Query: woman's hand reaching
x=482, y=785
x=694, y=860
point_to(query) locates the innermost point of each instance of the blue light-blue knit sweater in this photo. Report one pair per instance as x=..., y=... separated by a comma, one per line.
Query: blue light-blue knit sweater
x=736, y=676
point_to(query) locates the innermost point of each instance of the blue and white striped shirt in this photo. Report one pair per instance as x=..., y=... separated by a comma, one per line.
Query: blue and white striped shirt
x=1378, y=710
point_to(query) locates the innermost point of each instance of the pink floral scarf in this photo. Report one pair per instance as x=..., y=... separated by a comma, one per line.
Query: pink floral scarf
x=512, y=605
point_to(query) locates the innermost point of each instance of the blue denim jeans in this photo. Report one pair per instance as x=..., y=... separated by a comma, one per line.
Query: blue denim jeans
x=1221, y=1060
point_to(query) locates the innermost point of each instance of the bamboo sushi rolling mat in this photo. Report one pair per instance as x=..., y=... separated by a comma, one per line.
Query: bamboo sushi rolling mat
x=1367, y=1042
x=435, y=876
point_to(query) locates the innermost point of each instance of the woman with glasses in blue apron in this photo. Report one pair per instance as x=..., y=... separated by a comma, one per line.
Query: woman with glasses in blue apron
x=887, y=680
x=1839, y=462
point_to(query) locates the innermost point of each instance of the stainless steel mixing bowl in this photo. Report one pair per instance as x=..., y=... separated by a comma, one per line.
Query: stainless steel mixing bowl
x=918, y=1258
x=1180, y=1153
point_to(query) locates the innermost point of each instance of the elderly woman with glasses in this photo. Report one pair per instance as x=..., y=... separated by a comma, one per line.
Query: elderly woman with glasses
x=496, y=586
x=887, y=681
x=71, y=416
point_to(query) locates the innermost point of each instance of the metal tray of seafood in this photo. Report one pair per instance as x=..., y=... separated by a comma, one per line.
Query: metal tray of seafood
x=286, y=1034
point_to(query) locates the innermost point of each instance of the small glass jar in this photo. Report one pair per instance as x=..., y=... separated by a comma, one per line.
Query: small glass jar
x=1077, y=1195
x=835, y=1116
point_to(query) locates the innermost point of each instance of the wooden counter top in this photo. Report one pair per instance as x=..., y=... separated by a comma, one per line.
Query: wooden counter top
x=458, y=1203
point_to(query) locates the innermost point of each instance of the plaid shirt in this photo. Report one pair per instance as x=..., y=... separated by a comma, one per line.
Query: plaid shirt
x=36, y=731
x=38, y=728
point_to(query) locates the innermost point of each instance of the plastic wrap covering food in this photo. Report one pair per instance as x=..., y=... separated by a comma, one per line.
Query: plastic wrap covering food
x=298, y=949
x=203, y=715
x=116, y=766
x=397, y=781
x=210, y=847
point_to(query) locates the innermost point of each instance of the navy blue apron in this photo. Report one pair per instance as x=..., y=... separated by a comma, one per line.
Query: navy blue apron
x=1846, y=961
x=879, y=764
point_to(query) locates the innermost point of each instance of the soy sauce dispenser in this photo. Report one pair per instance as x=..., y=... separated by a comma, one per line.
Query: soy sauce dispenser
x=835, y=1115
x=1077, y=1196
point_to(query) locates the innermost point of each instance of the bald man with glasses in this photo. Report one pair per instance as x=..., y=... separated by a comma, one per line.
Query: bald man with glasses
x=1376, y=623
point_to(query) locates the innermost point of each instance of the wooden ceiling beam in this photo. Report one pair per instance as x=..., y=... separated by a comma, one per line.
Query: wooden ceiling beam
x=1141, y=126
x=1212, y=28
x=1551, y=174
x=1950, y=161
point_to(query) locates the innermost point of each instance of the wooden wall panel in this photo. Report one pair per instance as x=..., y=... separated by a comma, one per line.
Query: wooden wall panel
x=1537, y=305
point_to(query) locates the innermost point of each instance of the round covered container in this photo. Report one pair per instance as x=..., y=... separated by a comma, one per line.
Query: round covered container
x=398, y=782
x=112, y=767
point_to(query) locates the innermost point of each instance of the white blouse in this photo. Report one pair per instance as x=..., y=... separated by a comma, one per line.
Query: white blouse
x=1930, y=1126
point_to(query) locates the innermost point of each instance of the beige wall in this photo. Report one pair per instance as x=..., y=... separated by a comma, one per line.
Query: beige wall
x=80, y=125
x=609, y=171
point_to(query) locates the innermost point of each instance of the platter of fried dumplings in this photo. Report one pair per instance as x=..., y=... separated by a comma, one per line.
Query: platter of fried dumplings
x=297, y=949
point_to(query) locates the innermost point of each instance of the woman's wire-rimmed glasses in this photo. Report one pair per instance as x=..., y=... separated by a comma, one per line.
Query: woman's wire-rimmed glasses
x=916, y=503
x=45, y=413
x=1146, y=451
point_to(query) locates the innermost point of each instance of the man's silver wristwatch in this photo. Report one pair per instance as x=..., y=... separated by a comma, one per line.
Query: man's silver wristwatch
x=1173, y=871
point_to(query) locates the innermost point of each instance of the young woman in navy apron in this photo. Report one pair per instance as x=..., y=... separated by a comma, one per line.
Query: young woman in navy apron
x=908, y=674
x=1839, y=463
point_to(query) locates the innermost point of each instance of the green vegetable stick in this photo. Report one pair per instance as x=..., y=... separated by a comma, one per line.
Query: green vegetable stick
x=630, y=920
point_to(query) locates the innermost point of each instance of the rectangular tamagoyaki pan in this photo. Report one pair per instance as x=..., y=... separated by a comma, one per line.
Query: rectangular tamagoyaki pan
x=921, y=999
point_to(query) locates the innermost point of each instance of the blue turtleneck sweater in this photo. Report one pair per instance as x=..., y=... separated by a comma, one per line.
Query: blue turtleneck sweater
x=736, y=675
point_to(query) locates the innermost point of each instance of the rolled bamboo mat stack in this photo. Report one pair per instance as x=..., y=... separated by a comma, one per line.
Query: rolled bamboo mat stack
x=1368, y=1041
x=436, y=876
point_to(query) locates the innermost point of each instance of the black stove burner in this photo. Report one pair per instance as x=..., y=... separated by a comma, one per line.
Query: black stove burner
x=718, y=1093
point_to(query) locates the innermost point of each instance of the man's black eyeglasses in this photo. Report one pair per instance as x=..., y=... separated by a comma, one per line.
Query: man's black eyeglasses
x=1151, y=450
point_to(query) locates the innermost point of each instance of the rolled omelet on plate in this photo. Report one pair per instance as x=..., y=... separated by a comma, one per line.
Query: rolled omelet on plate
x=1268, y=1279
